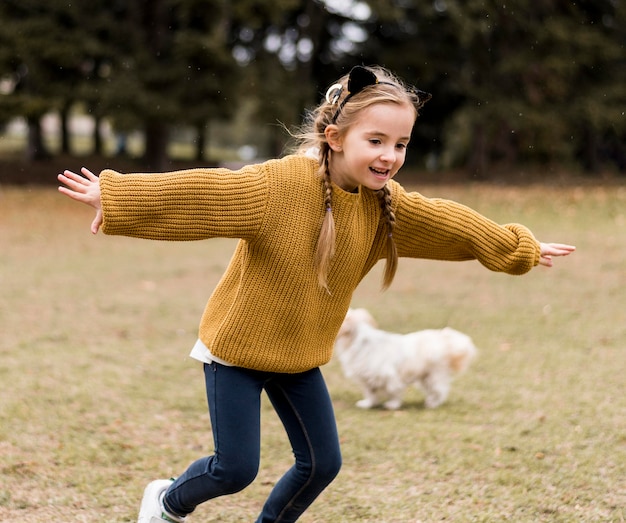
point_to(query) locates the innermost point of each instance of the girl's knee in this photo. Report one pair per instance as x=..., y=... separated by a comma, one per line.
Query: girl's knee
x=327, y=466
x=236, y=484
x=235, y=477
x=331, y=467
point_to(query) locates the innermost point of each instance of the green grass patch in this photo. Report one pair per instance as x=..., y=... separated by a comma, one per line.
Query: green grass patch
x=98, y=395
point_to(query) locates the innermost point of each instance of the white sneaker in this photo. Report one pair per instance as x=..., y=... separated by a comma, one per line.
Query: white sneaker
x=152, y=509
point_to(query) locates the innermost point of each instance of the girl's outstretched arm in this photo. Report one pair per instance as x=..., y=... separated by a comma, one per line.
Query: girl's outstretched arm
x=548, y=250
x=85, y=189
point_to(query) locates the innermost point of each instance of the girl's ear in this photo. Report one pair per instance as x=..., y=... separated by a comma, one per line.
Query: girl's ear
x=333, y=137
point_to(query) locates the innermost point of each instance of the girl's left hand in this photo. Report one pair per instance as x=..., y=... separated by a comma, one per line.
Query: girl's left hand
x=548, y=250
x=84, y=189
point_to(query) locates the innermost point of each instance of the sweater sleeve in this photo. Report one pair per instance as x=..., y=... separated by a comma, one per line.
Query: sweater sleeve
x=185, y=205
x=445, y=230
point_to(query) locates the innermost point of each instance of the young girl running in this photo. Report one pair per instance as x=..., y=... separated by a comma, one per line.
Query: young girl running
x=310, y=226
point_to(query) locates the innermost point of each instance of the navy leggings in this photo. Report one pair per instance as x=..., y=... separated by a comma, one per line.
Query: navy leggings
x=302, y=403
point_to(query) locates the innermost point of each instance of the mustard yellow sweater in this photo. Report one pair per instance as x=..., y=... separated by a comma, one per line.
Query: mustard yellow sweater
x=268, y=312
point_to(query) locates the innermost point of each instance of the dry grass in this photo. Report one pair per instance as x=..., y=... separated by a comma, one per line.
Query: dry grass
x=98, y=395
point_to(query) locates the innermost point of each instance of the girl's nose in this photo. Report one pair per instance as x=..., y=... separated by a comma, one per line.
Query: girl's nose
x=388, y=155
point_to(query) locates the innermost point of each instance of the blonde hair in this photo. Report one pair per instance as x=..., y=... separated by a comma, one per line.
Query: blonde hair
x=343, y=112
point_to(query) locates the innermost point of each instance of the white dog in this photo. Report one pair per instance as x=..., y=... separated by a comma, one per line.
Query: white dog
x=385, y=363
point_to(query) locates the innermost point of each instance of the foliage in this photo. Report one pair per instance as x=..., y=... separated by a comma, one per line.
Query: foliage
x=46, y=47
x=519, y=81
x=515, y=82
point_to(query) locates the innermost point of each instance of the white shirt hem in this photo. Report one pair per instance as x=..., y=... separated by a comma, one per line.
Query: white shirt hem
x=202, y=353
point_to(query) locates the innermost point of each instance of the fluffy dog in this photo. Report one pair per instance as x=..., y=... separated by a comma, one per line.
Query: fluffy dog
x=386, y=363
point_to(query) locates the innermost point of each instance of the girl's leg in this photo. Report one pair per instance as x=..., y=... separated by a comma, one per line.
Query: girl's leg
x=234, y=396
x=304, y=406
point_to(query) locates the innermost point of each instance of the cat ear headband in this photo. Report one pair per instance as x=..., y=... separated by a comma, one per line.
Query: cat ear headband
x=360, y=78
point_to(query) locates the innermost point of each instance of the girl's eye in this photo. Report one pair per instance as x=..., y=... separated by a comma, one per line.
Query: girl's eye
x=374, y=141
x=401, y=146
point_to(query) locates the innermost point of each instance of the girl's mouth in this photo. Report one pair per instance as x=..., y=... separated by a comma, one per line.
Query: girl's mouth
x=379, y=173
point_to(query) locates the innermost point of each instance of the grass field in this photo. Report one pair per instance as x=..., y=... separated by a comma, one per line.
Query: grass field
x=98, y=395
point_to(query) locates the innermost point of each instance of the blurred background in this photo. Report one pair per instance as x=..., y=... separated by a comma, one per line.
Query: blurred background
x=517, y=84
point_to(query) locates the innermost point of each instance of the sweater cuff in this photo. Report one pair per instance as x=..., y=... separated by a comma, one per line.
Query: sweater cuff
x=528, y=251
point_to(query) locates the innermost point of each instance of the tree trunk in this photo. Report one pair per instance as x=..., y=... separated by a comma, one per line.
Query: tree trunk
x=590, y=159
x=201, y=135
x=97, y=136
x=66, y=147
x=35, y=148
x=155, y=155
x=477, y=160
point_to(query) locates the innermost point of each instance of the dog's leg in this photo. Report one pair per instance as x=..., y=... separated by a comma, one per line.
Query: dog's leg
x=393, y=404
x=395, y=393
x=370, y=400
x=436, y=387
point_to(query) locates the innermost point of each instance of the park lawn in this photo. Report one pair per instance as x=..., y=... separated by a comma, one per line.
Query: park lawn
x=98, y=395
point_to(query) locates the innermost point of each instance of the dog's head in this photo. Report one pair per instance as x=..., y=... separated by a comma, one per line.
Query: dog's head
x=354, y=317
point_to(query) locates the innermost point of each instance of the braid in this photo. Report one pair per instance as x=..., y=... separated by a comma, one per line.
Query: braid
x=325, y=248
x=384, y=196
x=332, y=120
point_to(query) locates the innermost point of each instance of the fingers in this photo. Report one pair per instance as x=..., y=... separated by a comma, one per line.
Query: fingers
x=562, y=247
x=97, y=222
x=70, y=190
x=74, y=182
x=548, y=250
x=546, y=261
x=562, y=250
x=83, y=188
x=72, y=177
x=556, y=249
x=91, y=176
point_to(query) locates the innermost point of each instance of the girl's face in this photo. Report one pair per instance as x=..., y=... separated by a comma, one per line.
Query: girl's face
x=373, y=149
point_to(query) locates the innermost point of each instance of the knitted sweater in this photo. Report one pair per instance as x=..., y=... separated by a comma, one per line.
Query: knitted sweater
x=269, y=312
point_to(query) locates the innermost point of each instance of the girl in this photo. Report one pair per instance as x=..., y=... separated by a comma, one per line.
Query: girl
x=310, y=226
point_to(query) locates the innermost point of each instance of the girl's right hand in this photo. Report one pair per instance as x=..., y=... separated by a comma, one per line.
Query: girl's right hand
x=548, y=250
x=85, y=189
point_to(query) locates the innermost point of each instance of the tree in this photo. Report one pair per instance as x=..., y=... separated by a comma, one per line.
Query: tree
x=144, y=73
x=173, y=58
x=289, y=49
x=529, y=80
x=45, y=54
x=512, y=81
x=211, y=87
x=417, y=40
